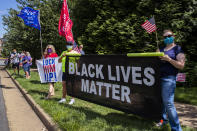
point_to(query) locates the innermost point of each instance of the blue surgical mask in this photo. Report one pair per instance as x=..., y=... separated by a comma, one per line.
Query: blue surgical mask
x=69, y=47
x=168, y=40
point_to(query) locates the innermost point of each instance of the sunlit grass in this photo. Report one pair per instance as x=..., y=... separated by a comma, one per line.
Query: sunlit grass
x=83, y=115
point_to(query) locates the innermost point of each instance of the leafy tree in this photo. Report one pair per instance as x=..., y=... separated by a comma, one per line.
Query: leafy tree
x=26, y=38
x=108, y=26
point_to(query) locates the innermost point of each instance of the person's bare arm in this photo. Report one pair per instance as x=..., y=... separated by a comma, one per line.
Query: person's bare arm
x=60, y=59
x=179, y=63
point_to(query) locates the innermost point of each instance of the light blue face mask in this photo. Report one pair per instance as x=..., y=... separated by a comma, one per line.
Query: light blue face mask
x=168, y=40
x=69, y=47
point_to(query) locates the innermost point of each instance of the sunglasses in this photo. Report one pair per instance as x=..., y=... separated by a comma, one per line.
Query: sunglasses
x=168, y=36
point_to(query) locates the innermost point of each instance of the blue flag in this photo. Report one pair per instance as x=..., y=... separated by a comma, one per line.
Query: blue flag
x=30, y=17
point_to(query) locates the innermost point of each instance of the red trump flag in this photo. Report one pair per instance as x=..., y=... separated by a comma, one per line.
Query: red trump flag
x=65, y=23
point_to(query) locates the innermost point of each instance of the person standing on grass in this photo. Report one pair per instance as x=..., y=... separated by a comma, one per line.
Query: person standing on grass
x=21, y=58
x=26, y=66
x=172, y=61
x=62, y=59
x=50, y=53
x=15, y=59
x=30, y=62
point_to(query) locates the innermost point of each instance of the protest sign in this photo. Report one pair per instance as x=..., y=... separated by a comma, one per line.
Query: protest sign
x=129, y=84
x=49, y=70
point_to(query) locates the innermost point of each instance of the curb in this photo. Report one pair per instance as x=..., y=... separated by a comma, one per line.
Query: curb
x=44, y=117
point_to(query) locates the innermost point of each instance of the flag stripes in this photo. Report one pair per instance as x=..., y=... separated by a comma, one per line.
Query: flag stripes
x=76, y=49
x=149, y=25
x=181, y=77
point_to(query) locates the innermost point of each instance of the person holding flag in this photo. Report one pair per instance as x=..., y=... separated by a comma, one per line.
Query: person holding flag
x=65, y=30
x=62, y=59
x=172, y=61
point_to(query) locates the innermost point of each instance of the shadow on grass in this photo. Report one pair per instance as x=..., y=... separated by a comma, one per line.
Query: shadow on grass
x=35, y=81
x=113, y=119
x=18, y=76
x=37, y=92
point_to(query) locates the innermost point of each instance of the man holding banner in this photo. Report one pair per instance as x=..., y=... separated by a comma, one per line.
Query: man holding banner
x=62, y=60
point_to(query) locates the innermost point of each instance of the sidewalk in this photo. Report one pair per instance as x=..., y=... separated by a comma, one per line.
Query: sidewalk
x=3, y=117
x=187, y=114
x=20, y=115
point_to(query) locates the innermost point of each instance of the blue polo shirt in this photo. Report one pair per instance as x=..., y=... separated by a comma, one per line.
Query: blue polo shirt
x=166, y=68
x=27, y=63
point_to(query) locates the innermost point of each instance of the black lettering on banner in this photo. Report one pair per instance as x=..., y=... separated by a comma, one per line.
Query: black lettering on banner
x=129, y=84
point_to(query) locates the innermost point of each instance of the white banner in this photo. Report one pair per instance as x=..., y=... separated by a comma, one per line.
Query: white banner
x=49, y=70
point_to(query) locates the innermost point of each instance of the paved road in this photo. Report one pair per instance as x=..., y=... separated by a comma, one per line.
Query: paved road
x=3, y=117
x=20, y=115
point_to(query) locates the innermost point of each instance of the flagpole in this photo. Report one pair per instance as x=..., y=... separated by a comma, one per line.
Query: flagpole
x=157, y=41
x=41, y=43
x=41, y=37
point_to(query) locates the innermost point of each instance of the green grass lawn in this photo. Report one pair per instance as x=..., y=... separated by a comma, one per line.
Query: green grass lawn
x=186, y=95
x=83, y=115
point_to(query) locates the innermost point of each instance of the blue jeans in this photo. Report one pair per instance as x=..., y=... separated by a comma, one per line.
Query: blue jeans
x=168, y=85
x=27, y=69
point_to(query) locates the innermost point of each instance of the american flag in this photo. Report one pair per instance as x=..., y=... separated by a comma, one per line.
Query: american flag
x=75, y=48
x=149, y=25
x=181, y=77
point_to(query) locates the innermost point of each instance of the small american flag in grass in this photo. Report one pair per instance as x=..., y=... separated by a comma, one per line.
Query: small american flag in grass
x=149, y=25
x=181, y=77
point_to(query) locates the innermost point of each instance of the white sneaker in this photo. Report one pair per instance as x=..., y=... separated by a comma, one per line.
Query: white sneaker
x=160, y=124
x=63, y=100
x=72, y=101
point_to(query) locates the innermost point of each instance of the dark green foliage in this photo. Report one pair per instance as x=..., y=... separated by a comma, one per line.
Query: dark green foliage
x=109, y=26
x=26, y=38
